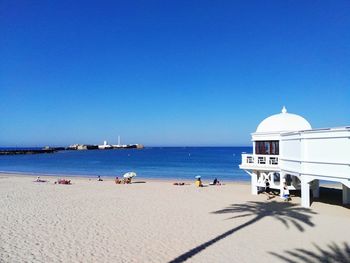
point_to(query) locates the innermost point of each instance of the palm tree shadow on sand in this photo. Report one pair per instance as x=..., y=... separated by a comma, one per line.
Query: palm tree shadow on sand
x=334, y=253
x=287, y=213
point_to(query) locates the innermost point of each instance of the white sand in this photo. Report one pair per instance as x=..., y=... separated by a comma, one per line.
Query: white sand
x=92, y=221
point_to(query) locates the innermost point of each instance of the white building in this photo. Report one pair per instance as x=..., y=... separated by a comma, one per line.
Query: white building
x=105, y=146
x=287, y=150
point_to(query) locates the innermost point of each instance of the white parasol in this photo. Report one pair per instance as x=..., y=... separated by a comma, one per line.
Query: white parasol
x=198, y=176
x=129, y=175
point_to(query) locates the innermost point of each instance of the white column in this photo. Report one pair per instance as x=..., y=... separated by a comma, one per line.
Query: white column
x=254, y=183
x=305, y=193
x=346, y=195
x=316, y=188
x=272, y=181
x=282, y=180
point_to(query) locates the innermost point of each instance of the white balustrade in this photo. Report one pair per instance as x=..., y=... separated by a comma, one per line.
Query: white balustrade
x=259, y=160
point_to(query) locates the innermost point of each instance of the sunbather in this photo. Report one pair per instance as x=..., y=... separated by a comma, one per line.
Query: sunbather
x=179, y=183
x=38, y=180
x=63, y=181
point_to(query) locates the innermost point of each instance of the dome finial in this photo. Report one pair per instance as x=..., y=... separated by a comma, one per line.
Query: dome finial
x=284, y=110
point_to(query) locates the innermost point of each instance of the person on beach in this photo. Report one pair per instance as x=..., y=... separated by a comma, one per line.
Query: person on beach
x=268, y=189
x=198, y=182
x=127, y=180
x=286, y=195
x=99, y=178
x=63, y=181
x=178, y=183
x=215, y=182
x=38, y=180
x=117, y=180
x=267, y=186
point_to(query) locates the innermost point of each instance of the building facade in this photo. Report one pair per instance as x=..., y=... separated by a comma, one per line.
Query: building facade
x=288, y=152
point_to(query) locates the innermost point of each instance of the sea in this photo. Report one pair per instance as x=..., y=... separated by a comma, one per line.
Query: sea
x=174, y=163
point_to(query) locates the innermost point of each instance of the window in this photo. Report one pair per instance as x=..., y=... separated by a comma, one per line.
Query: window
x=267, y=147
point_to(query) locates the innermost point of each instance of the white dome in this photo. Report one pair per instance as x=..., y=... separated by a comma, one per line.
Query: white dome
x=283, y=122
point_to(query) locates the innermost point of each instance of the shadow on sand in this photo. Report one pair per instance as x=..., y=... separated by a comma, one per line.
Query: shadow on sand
x=331, y=196
x=332, y=254
x=287, y=213
x=328, y=195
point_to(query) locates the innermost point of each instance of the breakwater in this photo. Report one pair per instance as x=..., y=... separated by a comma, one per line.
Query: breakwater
x=26, y=151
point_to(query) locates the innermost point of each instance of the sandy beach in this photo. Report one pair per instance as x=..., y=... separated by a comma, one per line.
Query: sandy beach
x=155, y=221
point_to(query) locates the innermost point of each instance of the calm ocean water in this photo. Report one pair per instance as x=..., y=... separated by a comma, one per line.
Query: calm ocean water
x=158, y=163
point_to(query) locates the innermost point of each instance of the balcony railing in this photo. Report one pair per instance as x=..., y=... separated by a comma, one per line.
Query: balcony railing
x=259, y=160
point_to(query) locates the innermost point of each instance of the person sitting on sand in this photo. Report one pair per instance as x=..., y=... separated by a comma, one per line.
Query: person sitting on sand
x=127, y=180
x=215, y=182
x=99, y=178
x=198, y=182
x=117, y=180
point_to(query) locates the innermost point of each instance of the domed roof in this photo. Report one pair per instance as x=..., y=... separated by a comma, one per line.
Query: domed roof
x=283, y=122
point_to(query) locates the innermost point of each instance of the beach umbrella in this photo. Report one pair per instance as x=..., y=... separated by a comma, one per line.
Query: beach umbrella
x=129, y=175
x=198, y=176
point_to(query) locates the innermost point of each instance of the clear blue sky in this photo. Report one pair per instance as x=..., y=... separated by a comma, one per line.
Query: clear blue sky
x=168, y=72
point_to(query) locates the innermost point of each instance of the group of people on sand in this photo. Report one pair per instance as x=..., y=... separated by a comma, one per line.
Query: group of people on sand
x=198, y=182
x=59, y=181
x=127, y=180
x=66, y=181
x=123, y=181
x=63, y=181
x=285, y=195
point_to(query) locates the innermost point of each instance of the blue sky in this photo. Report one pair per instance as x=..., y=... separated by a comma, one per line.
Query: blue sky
x=200, y=73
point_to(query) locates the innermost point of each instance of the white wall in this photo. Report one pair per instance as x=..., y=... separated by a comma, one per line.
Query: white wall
x=317, y=152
